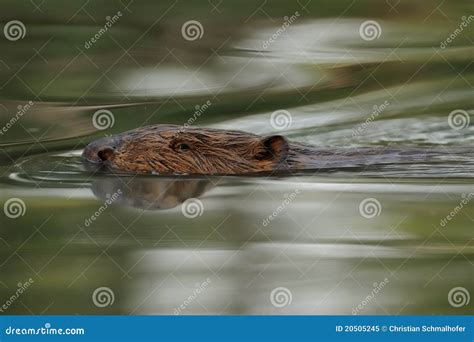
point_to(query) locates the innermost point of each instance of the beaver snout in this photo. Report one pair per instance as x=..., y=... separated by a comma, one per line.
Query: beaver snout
x=101, y=150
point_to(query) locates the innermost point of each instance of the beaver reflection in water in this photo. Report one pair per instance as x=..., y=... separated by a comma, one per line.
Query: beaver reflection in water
x=170, y=149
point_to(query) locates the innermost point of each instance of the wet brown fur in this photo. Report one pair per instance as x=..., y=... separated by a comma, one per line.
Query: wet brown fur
x=169, y=149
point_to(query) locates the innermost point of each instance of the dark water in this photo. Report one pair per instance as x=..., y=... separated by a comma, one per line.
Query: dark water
x=396, y=239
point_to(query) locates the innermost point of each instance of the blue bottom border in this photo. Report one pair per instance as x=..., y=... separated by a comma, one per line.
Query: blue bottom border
x=237, y=328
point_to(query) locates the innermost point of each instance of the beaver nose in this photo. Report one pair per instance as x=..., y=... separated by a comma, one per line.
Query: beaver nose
x=100, y=150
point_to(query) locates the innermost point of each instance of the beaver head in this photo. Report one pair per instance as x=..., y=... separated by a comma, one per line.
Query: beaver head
x=170, y=149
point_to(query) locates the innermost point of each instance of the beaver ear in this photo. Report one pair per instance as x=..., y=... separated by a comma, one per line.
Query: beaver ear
x=275, y=147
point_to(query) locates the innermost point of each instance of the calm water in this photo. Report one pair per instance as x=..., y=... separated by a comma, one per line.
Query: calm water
x=392, y=239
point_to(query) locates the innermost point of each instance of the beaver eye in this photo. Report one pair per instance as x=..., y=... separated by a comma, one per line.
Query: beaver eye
x=183, y=147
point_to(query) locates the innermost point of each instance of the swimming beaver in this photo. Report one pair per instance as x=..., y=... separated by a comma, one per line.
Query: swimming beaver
x=171, y=149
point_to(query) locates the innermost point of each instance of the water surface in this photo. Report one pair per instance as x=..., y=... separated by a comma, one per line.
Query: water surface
x=395, y=239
